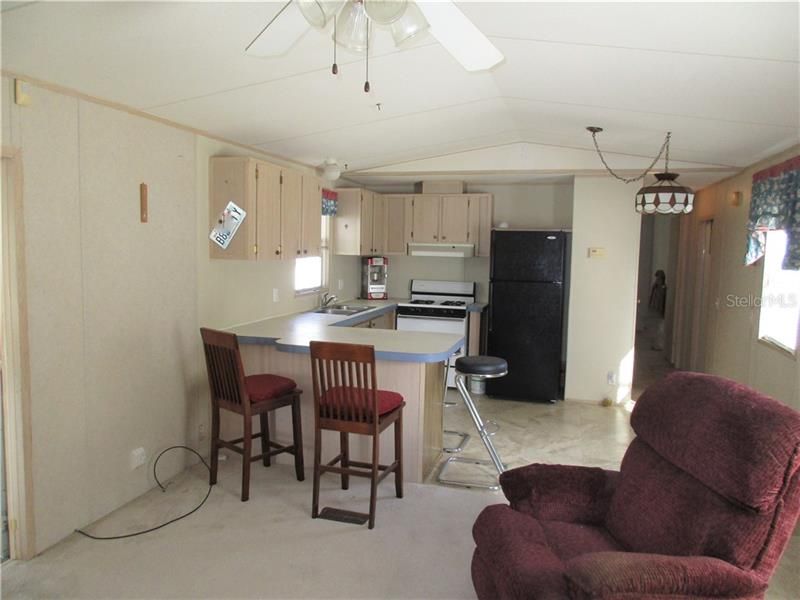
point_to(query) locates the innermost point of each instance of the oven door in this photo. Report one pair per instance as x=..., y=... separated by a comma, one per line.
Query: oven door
x=454, y=325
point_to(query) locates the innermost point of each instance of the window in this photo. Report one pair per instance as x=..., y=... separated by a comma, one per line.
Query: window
x=780, y=296
x=311, y=273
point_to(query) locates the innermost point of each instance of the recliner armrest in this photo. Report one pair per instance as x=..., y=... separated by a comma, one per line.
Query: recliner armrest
x=610, y=575
x=560, y=492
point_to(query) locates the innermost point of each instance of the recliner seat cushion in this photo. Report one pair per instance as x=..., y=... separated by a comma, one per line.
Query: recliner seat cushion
x=521, y=554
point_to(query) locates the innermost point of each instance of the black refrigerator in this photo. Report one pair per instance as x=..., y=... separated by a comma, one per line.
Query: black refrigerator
x=527, y=303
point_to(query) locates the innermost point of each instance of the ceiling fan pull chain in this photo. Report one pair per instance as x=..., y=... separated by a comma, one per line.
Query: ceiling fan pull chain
x=366, y=80
x=335, y=67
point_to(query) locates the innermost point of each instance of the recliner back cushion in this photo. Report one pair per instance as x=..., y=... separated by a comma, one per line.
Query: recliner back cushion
x=660, y=508
x=737, y=441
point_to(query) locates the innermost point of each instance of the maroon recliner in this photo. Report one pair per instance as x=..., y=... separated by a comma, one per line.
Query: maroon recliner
x=703, y=505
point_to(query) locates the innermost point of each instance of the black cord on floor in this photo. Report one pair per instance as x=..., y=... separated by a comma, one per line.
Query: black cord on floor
x=163, y=489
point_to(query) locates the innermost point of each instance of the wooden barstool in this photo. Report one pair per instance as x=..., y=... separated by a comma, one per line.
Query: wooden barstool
x=347, y=400
x=249, y=396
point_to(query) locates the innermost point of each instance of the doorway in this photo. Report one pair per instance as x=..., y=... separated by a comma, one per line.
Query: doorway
x=658, y=257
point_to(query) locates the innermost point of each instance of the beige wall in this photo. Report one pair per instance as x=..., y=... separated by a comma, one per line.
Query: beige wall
x=729, y=346
x=112, y=301
x=602, y=304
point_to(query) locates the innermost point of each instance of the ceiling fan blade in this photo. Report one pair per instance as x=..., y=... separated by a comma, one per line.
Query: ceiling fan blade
x=459, y=36
x=280, y=34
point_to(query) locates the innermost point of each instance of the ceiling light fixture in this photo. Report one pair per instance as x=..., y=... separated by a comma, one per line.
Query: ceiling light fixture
x=331, y=170
x=354, y=20
x=665, y=196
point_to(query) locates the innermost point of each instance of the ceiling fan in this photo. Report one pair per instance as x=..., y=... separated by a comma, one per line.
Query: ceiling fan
x=354, y=22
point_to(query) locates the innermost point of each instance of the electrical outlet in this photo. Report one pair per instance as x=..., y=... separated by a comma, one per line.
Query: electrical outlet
x=611, y=378
x=138, y=458
x=201, y=432
x=275, y=296
x=341, y=284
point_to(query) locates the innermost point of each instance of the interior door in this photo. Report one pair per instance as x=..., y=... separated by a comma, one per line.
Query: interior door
x=426, y=219
x=454, y=224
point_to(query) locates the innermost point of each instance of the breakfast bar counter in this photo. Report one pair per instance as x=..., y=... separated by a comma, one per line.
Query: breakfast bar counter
x=410, y=363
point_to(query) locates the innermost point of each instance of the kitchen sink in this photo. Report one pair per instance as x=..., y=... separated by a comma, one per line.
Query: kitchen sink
x=342, y=309
x=335, y=311
x=352, y=307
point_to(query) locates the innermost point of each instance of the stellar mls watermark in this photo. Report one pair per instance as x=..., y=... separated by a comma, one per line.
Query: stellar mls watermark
x=769, y=300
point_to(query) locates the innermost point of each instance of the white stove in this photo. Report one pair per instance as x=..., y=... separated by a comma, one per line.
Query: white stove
x=438, y=307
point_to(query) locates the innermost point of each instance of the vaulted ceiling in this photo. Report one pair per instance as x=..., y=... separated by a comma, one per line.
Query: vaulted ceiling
x=724, y=78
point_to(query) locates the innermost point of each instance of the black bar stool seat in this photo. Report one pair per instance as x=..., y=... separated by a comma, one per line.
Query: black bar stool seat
x=487, y=366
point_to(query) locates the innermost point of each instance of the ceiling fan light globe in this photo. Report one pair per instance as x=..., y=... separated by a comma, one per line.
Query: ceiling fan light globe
x=331, y=170
x=352, y=31
x=319, y=12
x=385, y=12
x=411, y=24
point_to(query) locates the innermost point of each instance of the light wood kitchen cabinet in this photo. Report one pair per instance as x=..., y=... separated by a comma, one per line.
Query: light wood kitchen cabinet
x=454, y=219
x=272, y=196
x=481, y=214
x=311, y=220
x=385, y=321
x=426, y=211
x=361, y=223
x=398, y=224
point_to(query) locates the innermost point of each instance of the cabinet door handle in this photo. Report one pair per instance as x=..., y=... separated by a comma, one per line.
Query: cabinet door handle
x=305, y=251
x=298, y=251
x=277, y=252
x=444, y=237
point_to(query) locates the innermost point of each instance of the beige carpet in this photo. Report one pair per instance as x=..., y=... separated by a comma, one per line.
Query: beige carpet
x=269, y=547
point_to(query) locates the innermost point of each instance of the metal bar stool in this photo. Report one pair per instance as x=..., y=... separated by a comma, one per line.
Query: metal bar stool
x=465, y=437
x=477, y=367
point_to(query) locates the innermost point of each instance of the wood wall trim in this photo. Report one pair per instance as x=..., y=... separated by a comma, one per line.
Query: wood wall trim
x=18, y=413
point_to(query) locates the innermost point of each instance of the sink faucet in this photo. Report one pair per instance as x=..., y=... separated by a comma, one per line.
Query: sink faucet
x=327, y=299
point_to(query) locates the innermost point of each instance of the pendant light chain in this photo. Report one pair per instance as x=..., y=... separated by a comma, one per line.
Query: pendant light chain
x=663, y=151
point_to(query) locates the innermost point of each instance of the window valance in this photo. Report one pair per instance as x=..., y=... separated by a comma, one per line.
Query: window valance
x=329, y=202
x=775, y=204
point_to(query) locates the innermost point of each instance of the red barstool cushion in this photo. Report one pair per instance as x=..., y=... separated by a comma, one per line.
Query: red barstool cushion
x=387, y=401
x=266, y=387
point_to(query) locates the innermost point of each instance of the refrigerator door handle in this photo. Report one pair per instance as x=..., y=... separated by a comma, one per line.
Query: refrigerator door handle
x=489, y=325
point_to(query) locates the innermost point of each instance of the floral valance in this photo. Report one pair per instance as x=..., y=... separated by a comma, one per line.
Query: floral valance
x=775, y=204
x=329, y=202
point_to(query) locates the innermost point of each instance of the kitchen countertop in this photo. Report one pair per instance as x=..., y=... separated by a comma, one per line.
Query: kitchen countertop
x=292, y=333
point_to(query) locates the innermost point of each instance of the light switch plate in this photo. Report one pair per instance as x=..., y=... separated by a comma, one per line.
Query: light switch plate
x=275, y=295
x=597, y=253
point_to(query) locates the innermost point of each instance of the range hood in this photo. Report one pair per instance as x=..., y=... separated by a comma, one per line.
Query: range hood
x=442, y=250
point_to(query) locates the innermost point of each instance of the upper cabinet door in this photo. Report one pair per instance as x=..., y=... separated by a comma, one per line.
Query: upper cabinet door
x=454, y=227
x=397, y=224
x=312, y=216
x=379, y=224
x=426, y=219
x=367, y=210
x=233, y=179
x=268, y=201
x=347, y=223
x=291, y=213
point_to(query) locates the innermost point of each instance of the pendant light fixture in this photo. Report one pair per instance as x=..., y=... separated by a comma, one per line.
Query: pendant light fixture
x=666, y=195
x=385, y=12
x=412, y=23
x=319, y=12
x=351, y=31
